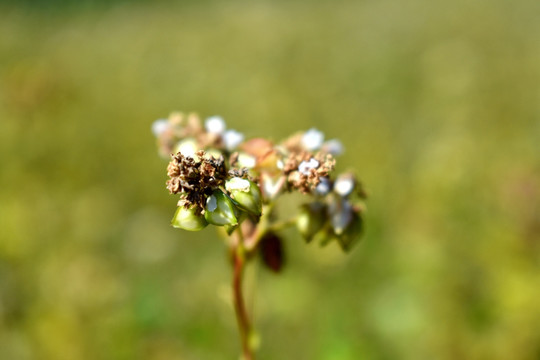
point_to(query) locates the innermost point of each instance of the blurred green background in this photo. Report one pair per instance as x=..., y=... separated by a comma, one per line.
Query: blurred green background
x=437, y=103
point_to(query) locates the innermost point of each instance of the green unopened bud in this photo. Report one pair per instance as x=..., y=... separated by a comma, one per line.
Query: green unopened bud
x=188, y=219
x=220, y=209
x=341, y=214
x=352, y=233
x=246, y=194
x=310, y=220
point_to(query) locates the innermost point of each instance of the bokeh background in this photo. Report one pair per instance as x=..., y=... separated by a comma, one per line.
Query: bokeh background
x=437, y=103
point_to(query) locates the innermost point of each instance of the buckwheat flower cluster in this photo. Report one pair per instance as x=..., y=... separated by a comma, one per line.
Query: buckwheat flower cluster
x=234, y=183
x=226, y=180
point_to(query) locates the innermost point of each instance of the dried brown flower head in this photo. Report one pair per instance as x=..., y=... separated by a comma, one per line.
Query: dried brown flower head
x=195, y=178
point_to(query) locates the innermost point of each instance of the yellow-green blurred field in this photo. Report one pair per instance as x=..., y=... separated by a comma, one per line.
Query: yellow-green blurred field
x=437, y=103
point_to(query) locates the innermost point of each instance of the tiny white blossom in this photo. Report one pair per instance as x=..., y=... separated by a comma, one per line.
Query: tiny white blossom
x=160, y=126
x=232, y=139
x=312, y=139
x=237, y=183
x=187, y=147
x=270, y=187
x=215, y=125
x=247, y=161
x=324, y=186
x=306, y=166
x=344, y=185
x=333, y=147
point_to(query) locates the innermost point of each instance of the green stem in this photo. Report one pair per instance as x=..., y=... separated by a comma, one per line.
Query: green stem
x=239, y=260
x=244, y=325
x=282, y=224
x=262, y=227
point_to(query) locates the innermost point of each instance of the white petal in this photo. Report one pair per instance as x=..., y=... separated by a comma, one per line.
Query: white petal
x=187, y=147
x=306, y=166
x=344, y=185
x=232, y=139
x=270, y=187
x=247, y=161
x=324, y=186
x=215, y=125
x=312, y=139
x=237, y=183
x=160, y=126
x=333, y=147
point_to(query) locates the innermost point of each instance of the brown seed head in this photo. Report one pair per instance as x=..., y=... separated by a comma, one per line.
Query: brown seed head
x=195, y=179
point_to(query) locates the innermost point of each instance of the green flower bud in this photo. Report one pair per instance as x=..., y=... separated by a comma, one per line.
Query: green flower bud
x=246, y=194
x=220, y=210
x=188, y=219
x=352, y=233
x=326, y=236
x=310, y=220
x=341, y=214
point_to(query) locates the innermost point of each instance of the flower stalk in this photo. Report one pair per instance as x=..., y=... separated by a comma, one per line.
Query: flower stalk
x=242, y=317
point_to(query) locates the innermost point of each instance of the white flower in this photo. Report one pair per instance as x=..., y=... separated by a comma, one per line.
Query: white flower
x=247, y=161
x=312, y=139
x=232, y=139
x=215, y=125
x=237, y=183
x=324, y=186
x=344, y=184
x=270, y=186
x=306, y=166
x=160, y=126
x=333, y=147
x=187, y=147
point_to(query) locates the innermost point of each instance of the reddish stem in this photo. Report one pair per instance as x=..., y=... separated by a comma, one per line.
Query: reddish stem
x=242, y=318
